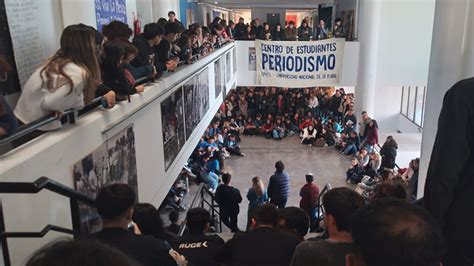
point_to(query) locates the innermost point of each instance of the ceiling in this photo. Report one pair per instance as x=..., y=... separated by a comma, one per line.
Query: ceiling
x=291, y=4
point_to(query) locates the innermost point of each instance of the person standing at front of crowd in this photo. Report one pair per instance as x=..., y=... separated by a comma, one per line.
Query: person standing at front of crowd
x=279, y=186
x=67, y=80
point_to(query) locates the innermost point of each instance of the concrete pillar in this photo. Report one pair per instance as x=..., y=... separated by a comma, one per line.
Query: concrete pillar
x=452, y=59
x=394, y=52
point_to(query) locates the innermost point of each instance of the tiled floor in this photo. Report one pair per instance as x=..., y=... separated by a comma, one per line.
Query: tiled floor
x=326, y=165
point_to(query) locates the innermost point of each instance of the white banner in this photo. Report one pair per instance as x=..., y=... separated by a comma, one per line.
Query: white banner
x=299, y=64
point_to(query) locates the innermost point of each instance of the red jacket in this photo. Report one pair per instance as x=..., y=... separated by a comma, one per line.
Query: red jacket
x=309, y=194
x=306, y=124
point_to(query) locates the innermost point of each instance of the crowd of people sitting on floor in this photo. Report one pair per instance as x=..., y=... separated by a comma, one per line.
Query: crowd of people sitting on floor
x=355, y=233
x=110, y=64
x=290, y=32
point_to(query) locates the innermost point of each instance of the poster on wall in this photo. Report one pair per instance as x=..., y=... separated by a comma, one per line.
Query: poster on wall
x=196, y=100
x=25, y=40
x=219, y=83
x=9, y=82
x=299, y=64
x=113, y=162
x=172, y=117
x=234, y=61
x=252, y=59
x=109, y=10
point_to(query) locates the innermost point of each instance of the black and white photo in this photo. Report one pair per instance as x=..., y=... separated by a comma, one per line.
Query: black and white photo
x=113, y=162
x=172, y=118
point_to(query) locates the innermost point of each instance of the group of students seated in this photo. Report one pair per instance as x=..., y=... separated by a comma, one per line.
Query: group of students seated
x=386, y=231
x=317, y=115
x=254, y=30
x=90, y=65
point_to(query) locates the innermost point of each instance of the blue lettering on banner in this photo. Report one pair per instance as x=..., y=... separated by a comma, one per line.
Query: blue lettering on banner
x=107, y=11
x=297, y=63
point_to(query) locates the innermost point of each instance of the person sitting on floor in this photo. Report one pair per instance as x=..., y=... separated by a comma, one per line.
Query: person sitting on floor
x=309, y=136
x=353, y=173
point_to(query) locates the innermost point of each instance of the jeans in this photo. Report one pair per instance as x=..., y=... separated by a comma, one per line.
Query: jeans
x=369, y=148
x=279, y=203
x=278, y=133
x=211, y=179
x=350, y=149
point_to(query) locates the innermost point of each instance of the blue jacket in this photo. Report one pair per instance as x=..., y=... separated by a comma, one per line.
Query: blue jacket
x=279, y=186
x=254, y=200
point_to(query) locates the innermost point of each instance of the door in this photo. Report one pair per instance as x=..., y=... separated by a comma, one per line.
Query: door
x=325, y=14
x=273, y=19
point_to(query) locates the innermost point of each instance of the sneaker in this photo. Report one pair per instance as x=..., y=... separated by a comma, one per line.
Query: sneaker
x=243, y=154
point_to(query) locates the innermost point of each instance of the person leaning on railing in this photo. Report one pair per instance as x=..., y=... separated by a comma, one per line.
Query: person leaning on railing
x=67, y=80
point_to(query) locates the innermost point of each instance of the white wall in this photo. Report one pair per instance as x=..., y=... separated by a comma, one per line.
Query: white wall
x=452, y=59
x=145, y=11
x=83, y=11
x=54, y=154
x=162, y=7
x=349, y=66
x=395, y=52
x=407, y=126
x=387, y=108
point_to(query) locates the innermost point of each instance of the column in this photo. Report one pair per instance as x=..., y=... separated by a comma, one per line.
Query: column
x=452, y=59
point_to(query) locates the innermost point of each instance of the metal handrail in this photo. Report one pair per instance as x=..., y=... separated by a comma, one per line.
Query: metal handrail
x=33, y=188
x=380, y=148
x=199, y=200
x=319, y=204
x=35, y=125
x=44, y=183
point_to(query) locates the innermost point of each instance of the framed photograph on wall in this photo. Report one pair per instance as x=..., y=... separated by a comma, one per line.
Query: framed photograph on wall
x=172, y=118
x=113, y=162
x=219, y=82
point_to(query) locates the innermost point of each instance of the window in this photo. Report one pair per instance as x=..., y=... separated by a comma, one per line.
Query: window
x=413, y=104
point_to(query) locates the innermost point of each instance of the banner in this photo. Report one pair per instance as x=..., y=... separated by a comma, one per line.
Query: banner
x=107, y=11
x=299, y=64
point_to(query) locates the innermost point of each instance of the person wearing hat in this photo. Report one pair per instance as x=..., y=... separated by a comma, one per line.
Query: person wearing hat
x=309, y=194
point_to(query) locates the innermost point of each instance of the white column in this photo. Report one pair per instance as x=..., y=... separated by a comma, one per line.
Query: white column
x=368, y=37
x=452, y=59
x=162, y=7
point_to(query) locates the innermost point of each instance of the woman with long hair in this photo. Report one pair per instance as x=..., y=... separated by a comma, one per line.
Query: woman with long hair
x=304, y=31
x=256, y=196
x=389, y=153
x=67, y=80
x=148, y=219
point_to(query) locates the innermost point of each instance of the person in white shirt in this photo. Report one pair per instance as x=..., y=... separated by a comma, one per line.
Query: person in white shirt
x=65, y=81
x=309, y=136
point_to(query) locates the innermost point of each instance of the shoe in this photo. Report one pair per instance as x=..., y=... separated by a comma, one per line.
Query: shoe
x=243, y=154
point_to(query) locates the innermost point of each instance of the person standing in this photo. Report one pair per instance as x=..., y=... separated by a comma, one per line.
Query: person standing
x=228, y=198
x=256, y=196
x=339, y=31
x=279, y=186
x=389, y=153
x=309, y=194
x=449, y=189
x=323, y=31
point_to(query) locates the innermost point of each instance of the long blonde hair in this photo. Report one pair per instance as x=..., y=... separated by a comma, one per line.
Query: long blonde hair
x=78, y=47
x=258, y=186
